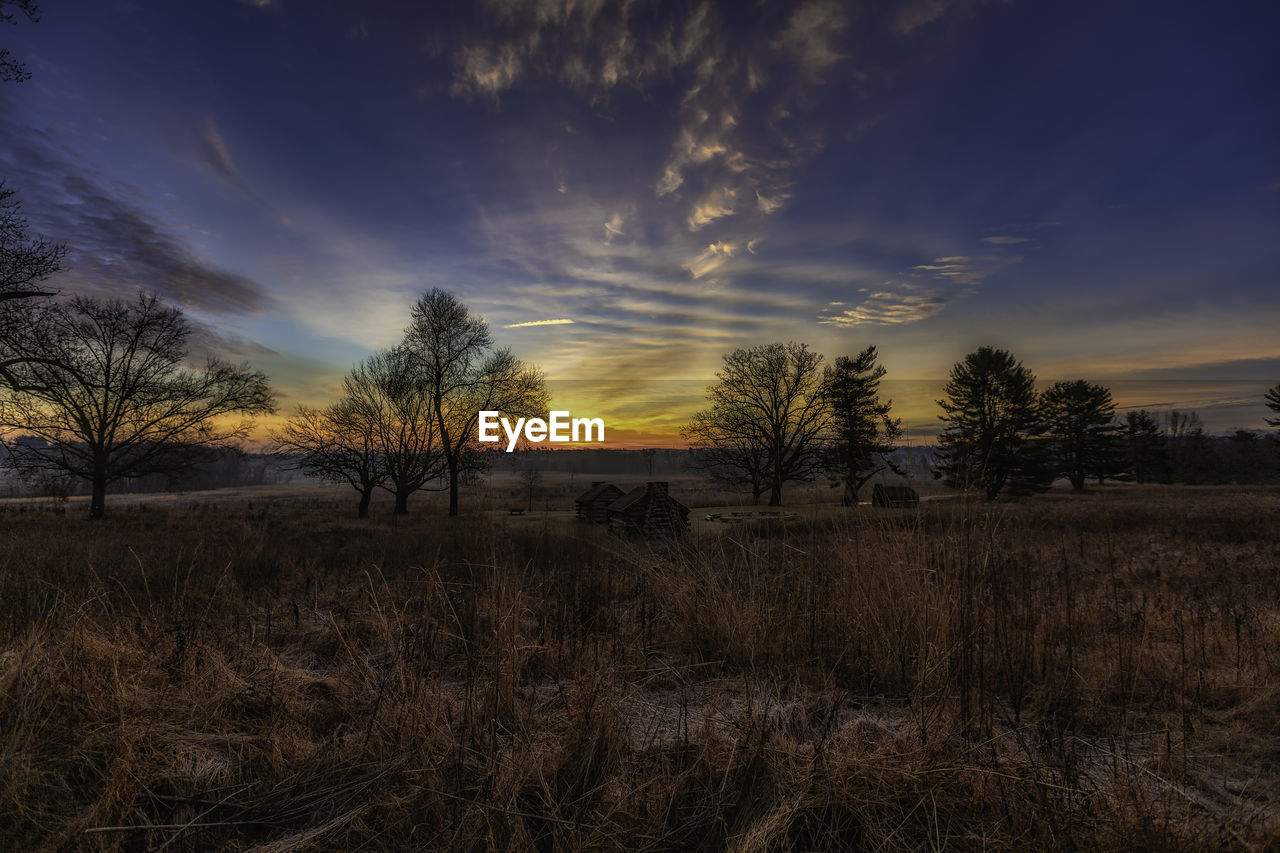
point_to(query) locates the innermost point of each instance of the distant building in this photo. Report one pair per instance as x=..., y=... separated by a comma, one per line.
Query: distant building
x=649, y=511
x=593, y=504
x=894, y=497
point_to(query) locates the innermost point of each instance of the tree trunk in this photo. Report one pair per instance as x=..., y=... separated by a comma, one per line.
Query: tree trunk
x=775, y=494
x=453, y=487
x=366, y=495
x=402, y=503
x=98, y=500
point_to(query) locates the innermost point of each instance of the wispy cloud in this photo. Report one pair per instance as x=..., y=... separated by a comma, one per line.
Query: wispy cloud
x=213, y=153
x=717, y=204
x=565, y=321
x=710, y=259
x=893, y=305
x=117, y=247
x=965, y=269
x=812, y=32
x=1005, y=241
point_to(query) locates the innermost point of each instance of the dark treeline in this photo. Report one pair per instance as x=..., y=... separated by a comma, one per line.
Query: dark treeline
x=778, y=414
x=223, y=468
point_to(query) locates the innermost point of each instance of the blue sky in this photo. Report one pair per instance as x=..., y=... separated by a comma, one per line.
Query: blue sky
x=1094, y=186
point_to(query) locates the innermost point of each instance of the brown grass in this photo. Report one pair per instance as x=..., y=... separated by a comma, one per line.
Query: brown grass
x=1063, y=673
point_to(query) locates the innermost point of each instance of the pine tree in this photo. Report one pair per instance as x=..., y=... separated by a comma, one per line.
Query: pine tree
x=991, y=441
x=864, y=431
x=1146, y=455
x=1078, y=420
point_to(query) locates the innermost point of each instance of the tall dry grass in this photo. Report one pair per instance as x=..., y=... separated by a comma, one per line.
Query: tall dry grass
x=1064, y=673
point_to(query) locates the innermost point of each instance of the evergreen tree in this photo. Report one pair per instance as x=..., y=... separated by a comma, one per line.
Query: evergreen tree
x=864, y=430
x=1147, y=457
x=1078, y=421
x=992, y=418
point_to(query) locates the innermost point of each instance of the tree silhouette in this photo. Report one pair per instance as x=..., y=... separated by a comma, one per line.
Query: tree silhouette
x=25, y=262
x=992, y=424
x=1273, y=403
x=101, y=394
x=1078, y=419
x=863, y=429
x=727, y=448
x=1146, y=455
x=1189, y=460
x=389, y=400
x=337, y=444
x=530, y=475
x=768, y=406
x=453, y=355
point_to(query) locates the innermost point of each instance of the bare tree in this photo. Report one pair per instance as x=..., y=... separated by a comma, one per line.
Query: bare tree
x=769, y=401
x=337, y=444
x=384, y=392
x=727, y=449
x=531, y=477
x=25, y=262
x=101, y=393
x=454, y=356
x=864, y=431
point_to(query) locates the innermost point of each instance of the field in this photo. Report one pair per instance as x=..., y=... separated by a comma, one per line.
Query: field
x=265, y=672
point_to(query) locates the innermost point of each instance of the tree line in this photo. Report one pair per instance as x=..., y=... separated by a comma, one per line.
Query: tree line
x=777, y=414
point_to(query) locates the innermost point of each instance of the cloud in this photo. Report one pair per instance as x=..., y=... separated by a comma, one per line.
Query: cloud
x=1006, y=241
x=736, y=131
x=613, y=227
x=717, y=204
x=116, y=246
x=915, y=14
x=213, y=153
x=710, y=259
x=767, y=205
x=488, y=71
x=892, y=306
x=965, y=269
x=811, y=33
x=561, y=322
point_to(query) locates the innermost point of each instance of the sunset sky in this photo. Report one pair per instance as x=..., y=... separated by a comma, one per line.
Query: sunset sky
x=628, y=190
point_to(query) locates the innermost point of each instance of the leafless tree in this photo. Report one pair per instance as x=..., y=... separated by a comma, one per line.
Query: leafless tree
x=338, y=444
x=384, y=393
x=455, y=358
x=727, y=450
x=101, y=393
x=25, y=262
x=531, y=477
x=769, y=404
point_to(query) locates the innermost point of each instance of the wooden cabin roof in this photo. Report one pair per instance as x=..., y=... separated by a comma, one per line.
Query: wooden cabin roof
x=599, y=491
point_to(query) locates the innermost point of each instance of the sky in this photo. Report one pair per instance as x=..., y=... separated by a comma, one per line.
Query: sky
x=628, y=190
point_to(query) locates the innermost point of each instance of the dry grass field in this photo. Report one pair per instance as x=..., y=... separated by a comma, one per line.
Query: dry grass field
x=264, y=672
